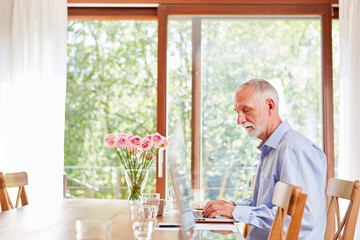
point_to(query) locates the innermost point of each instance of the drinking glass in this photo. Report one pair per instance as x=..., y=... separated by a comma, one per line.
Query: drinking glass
x=143, y=219
x=93, y=229
x=151, y=199
x=171, y=202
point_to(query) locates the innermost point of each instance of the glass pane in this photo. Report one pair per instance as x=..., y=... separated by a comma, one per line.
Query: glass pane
x=179, y=86
x=336, y=89
x=287, y=52
x=111, y=87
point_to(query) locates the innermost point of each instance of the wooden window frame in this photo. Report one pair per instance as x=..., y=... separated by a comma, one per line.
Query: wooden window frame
x=322, y=10
x=160, y=13
x=193, y=2
x=112, y=13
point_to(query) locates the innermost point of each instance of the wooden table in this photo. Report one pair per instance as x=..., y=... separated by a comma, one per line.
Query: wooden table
x=57, y=221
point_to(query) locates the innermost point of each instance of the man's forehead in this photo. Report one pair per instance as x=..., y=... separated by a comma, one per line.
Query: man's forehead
x=245, y=89
x=240, y=105
x=244, y=103
x=244, y=96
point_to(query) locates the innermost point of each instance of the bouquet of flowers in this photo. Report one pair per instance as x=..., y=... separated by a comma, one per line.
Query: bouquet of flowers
x=136, y=155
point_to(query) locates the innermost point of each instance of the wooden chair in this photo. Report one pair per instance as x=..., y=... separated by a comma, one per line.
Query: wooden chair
x=349, y=190
x=19, y=180
x=4, y=199
x=290, y=201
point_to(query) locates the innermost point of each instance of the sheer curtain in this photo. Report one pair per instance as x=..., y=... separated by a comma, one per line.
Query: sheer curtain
x=349, y=19
x=32, y=93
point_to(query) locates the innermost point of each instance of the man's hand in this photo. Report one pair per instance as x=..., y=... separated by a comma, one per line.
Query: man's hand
x=218, y=208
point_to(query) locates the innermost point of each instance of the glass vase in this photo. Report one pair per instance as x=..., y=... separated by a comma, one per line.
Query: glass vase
x=136, y=180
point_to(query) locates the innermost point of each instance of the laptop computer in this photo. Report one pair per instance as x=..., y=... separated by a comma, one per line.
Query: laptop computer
x=189, y=228
x=183, y=196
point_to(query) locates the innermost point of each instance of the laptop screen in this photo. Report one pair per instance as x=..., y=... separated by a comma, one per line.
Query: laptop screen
x=183, y=194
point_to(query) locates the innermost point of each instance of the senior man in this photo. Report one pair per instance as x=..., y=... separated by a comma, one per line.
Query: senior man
x=286, y=156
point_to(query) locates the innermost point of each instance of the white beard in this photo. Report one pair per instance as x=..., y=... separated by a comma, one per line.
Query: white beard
x=252, y=131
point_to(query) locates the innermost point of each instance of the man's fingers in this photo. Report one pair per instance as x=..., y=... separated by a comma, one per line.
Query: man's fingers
x=209, y=210
x=212, y=209
x=210, y=203
x=216, y=213
x=219, y=210
x=216, y=202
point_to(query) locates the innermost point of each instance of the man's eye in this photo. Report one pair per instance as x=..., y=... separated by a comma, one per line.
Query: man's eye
x=246, y=109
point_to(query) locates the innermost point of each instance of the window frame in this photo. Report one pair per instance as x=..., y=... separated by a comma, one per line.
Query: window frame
x=161, y=12
x=324, y=11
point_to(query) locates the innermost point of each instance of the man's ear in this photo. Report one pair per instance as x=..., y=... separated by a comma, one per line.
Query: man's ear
x=271, y=106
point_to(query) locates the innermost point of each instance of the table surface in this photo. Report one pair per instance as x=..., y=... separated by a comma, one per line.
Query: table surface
x=57, y=221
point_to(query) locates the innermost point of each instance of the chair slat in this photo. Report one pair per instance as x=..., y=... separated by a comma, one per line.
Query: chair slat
x=19, y=180
x=338, y=188
x=283, y=195
x=290, y=201
x=16, y=179
x=4, y=199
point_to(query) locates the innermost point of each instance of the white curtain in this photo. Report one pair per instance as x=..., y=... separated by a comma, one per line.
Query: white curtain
x=349, y=162
x=32, y=93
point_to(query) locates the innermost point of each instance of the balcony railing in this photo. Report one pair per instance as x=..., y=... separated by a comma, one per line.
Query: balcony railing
x=109, y=182
x=95, y=182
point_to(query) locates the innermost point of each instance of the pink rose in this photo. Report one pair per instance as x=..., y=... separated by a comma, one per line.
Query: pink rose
x=109, y=140
x=148, y=156
x=149, y=137
x=157, y=138
x=123, y=135
x=135, y=141
x=146, y=144
x=121, y=141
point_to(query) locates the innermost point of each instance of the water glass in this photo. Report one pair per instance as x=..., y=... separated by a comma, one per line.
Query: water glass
x=93, y=229
x=151, y=199
x=143, y=219
x=171, y=200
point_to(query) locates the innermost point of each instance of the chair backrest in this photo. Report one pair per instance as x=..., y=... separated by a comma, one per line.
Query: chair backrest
x=290, y=201
x=338, y=188
x=19, y=180
x=4, y=199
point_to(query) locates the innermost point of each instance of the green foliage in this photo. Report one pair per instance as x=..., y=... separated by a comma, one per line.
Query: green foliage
x=112, y=69
x=111, y=87
x=232, y=52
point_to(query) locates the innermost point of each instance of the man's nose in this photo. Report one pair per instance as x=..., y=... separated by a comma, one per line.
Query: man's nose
x=241, y=118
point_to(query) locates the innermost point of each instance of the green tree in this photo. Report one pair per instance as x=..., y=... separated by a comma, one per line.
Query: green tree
x=232, y=52
x=112, y=68
x=111, y=87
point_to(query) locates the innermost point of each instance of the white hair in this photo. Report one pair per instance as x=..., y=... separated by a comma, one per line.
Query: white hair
x=262, y=90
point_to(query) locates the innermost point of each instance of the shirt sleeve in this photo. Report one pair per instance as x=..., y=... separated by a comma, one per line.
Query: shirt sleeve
x=299, y=166
x=261, y=216
x=306, y=167
x=245, y=202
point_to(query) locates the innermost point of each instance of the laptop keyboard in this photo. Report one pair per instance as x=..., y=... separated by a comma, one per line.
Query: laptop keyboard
x=198, y=214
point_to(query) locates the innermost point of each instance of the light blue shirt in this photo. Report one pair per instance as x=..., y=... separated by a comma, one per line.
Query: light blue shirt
x=292, y=158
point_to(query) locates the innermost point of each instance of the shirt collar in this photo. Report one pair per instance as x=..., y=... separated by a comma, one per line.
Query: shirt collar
x=274, y=139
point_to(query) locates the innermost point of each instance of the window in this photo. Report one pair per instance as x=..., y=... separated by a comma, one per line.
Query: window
x=286, y=51
x=185, y=67
x=112, y=79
